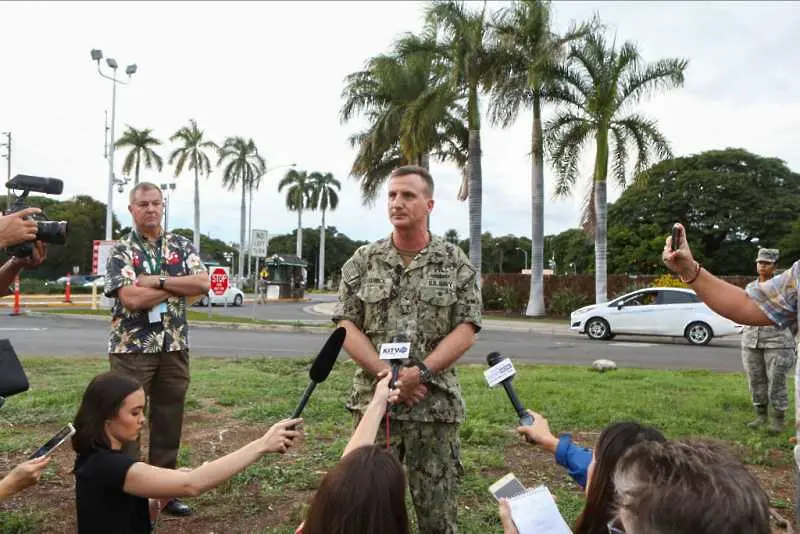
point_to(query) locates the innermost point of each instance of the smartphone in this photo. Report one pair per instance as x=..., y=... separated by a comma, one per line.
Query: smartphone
x=60, y=437
x=507, y=487
x=676, y=236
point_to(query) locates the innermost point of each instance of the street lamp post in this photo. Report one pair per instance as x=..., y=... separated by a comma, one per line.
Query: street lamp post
x=166, y=193
x=97, y=55
x=525, y=263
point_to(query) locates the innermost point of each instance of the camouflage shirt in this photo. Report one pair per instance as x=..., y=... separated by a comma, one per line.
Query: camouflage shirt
x=765, y=337
x=424, y=301
x=132, y=331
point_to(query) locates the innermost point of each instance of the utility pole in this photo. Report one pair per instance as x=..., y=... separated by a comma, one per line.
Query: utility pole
x=7, y=155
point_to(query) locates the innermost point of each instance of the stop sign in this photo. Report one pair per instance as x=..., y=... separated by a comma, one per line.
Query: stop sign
x=219, y=281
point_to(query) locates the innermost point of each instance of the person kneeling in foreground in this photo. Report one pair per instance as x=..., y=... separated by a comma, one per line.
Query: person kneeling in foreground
x=365, y=492
x=687, y=488
x=111, y=489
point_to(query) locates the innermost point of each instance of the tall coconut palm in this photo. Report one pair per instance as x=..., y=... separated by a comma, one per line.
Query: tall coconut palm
x=241, y=165
x=140, y=143
x=298, y=197
x=465, y=44
x=412, y=114
x=526, y=78
x=604, y=83
x=191, y=154
x=323, y=197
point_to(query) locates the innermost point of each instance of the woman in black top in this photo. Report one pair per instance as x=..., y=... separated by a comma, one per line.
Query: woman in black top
x=112, y=489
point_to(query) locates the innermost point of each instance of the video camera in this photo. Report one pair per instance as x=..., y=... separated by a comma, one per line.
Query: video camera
x=52, y=232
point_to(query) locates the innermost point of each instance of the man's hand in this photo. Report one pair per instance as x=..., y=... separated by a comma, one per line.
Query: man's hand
x=36, y=259
x=411, y=390
x=15, y=229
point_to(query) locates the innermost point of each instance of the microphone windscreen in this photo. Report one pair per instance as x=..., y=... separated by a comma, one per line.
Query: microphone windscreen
x=492, y=358
x=323, y=364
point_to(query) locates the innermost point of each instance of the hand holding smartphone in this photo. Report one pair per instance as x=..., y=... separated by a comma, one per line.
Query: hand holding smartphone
x=507, y=487
x=50, y=445
x=676, y=236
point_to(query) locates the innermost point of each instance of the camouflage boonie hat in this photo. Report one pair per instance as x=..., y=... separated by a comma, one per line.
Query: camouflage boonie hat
x=768, y=254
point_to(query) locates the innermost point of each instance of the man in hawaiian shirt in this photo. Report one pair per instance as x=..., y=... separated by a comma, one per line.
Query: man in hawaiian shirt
x=150, y=274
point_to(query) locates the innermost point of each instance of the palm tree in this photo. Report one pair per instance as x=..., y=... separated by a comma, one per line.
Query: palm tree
x=243, y=164
x=412, y=113
x=192, y=155
x=140, y=143
x=323, y=197
x=527, y=78
x=603, y=83
x=451, y=236
x=298, y=198
x=465, y=44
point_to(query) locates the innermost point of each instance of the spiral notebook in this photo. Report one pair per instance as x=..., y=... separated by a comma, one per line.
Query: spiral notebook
x=535, y=512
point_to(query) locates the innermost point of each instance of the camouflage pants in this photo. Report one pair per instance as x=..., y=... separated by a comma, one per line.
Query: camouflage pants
x=431, y=453
x=767, y=370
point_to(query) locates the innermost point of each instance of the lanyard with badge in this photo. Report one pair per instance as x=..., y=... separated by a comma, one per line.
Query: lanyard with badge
x=154, y=314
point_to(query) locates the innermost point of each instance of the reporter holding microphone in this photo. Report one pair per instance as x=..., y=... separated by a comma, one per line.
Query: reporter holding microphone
x=112, y=489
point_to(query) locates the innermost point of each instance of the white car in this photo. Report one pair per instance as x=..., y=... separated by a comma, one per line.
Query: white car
x=653, y=311
x=233, y=296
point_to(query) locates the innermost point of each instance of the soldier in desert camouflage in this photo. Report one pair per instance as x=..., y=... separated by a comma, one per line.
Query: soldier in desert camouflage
x=419, y=286
x=768, y=355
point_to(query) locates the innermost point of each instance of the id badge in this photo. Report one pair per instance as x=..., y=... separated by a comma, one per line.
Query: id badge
x=155, y=312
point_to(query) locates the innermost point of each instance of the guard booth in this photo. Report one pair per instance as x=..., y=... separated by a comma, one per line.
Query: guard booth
x=286, y=277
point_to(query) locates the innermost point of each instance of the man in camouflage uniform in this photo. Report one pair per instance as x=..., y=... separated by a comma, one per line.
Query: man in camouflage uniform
x=149, y=274
x=768, y=355
x=418, y=286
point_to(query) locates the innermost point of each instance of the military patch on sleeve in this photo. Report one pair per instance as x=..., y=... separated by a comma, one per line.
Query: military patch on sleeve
x=350, y=273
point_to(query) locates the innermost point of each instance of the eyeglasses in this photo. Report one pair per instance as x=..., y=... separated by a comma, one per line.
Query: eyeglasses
x=613, y=529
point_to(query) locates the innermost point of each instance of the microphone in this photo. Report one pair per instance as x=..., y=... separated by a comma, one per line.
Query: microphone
x=525, y=419
x=36, y=184
x=322, y=366
x=397, y=362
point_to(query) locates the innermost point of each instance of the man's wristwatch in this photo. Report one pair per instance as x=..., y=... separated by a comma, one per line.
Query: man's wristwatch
x=425, y=374
x=161, y=281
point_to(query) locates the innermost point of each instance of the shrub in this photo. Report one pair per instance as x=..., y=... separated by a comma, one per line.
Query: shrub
x=667, y=280
x=498, y=296
x=567, y=300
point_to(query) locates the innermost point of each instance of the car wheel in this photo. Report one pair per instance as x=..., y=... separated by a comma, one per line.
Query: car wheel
x=204, y=301
x=597, y=328
x=237, y=300
x=698, y=333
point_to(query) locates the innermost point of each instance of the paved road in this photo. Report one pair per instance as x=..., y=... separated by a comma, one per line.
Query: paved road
x=57, y=336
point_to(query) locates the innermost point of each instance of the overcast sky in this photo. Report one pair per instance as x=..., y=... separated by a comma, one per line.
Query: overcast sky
x=273, y=71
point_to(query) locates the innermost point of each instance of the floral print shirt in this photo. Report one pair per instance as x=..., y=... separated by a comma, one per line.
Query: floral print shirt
x=131, y=330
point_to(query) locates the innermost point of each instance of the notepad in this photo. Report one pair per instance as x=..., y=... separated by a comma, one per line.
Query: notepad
x=535, y=512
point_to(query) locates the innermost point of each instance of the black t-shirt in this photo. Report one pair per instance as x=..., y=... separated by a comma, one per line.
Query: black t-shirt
x=103, y=508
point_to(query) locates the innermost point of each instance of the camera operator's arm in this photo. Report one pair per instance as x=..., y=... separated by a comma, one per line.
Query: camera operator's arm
x=16, y=229
x=14, y=265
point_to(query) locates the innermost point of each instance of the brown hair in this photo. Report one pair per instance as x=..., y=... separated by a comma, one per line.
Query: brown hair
x=363, y=494
x=143, y=186
x=422, y=172
x=698, y=487
x=101, y=401
x=614, y=442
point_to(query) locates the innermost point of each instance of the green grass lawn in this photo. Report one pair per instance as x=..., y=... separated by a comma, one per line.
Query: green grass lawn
x=233, y=401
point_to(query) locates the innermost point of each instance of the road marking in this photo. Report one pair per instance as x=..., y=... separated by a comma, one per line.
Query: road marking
x=21, y=329
x=632, y=344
